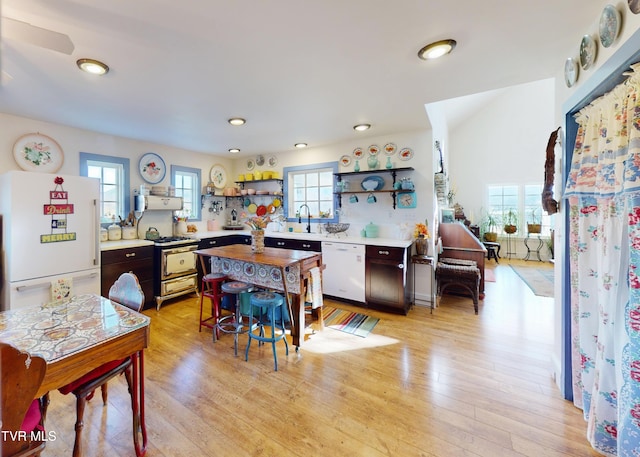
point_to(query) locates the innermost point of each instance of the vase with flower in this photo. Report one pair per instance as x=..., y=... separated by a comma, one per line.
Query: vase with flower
x=422, y=236
x=257, y=225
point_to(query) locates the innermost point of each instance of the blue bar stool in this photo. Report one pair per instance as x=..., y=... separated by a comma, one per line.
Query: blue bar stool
x=233, y=322
x=272, y=302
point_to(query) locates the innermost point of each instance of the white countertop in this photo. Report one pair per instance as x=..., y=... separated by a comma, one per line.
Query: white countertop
x=340, y=238
x=124, y=244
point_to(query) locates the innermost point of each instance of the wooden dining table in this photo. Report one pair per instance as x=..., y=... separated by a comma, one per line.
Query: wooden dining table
x=285, y=270
x=78, y=335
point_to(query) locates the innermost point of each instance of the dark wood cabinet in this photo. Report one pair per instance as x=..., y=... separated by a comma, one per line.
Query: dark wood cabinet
x=138, y=260
x=287, y=243
x=386, y=278
x=218, y=241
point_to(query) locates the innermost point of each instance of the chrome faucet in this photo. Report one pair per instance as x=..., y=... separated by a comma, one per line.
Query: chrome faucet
x=308, y=216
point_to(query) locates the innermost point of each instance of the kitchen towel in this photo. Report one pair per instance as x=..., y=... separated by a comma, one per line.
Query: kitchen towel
x=314, y=290
x=61, y=289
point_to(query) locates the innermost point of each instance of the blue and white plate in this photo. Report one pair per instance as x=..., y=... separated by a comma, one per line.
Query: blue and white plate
x=371, y=183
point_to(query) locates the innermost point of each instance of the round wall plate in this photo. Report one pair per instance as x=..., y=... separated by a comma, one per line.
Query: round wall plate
x=38, y=152
x=588, y=52
x=571, y=71
x=152, y=168
x=218, y=176
x=609, y=25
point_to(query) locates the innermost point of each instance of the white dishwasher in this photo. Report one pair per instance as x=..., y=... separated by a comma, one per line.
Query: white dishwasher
x=343, y=276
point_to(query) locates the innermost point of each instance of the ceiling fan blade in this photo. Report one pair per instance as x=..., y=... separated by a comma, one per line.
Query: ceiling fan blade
x=23, y=31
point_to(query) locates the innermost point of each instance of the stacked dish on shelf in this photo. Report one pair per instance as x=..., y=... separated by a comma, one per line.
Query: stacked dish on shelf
x=160, y=191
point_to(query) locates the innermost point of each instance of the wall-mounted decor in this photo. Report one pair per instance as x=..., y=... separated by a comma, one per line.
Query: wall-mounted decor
x=152, y=168
x=571, y=72
x=358, y=153
x=259, y=160
x=405, y=154
x=609, y=25
x=38, y=152
x=272, y=161
x=218, y=176
x=406, y=200
x=389, y=149
x=250, y=164
x=634, y=6
x=588, y=52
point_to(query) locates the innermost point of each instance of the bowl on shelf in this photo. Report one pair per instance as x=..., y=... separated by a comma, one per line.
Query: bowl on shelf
x=243, y=191
x=336, y=227
x=251, y=191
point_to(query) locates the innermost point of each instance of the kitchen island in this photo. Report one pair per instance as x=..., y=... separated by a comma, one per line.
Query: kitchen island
x=284, y=270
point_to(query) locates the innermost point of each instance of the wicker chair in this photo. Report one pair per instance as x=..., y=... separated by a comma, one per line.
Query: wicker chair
x=459, y=274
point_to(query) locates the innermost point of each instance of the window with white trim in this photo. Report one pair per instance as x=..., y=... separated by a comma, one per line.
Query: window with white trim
x=113, y=173
x=186, y=181
x=311, y=185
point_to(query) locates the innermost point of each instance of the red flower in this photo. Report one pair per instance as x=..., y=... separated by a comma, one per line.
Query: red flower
x=635, y=412
x=612, y=430
x=58, y=180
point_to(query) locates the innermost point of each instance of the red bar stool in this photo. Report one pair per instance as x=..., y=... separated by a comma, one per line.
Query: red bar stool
x=212, y=289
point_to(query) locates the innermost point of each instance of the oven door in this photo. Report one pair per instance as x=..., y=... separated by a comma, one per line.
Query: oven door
x=176, y=285
x=178, y=262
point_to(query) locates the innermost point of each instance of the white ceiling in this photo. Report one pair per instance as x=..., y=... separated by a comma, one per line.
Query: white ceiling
x=297, y=70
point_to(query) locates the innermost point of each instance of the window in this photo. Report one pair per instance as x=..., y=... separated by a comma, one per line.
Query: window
x=310, y=185
x=187, y=183
x=502, y=199
x=113, y=173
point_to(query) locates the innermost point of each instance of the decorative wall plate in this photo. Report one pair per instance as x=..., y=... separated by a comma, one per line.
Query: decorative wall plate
x=389, y=149
x=588, y=51
x=358, y=153
x=38, y=152
x=273, y=161
x=250, y=164
x=152, y=168
x=373, y=150
x=609, y=25
x=634, y=6
x=570, y=71
x=218, y=176
x=371, y=183
x=260, y=160
x=345, y=160
x=405, y=154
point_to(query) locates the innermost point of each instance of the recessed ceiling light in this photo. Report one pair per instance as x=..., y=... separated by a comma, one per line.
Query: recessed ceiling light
x=95, y=67
x=437, y=49
x=362, y=127
x=237, y=121
x=300, y=145
x=234, y=150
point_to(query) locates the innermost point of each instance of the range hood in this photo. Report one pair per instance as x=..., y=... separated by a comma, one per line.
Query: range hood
x=156, y=203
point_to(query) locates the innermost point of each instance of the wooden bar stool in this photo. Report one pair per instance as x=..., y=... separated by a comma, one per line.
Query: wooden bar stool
x=212, y=289
x=233, y=322
x=272, y=302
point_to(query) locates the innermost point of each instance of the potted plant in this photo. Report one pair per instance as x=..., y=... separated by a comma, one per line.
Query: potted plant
x=511, y=222
x=488, y=227
x=534, y=225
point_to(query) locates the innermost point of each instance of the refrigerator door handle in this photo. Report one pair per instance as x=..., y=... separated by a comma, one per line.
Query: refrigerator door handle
x=96, y=231
x=42, y=285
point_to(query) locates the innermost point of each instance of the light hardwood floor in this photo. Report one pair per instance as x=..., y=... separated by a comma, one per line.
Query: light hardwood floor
x=444, y=384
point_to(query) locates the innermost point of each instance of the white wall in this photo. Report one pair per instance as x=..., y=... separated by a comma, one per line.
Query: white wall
x=73, y=141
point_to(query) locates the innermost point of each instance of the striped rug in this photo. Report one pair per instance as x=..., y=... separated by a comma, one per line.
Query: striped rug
x=349, y=322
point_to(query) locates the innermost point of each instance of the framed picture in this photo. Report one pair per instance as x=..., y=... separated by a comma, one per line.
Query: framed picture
x=447, y=215
x=152, y=168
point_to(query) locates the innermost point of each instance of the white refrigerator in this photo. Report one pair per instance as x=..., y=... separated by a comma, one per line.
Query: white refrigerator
x=49, y=237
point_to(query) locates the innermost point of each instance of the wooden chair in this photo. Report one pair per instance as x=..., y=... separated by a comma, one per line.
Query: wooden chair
x=127, y=292
x=21, y=376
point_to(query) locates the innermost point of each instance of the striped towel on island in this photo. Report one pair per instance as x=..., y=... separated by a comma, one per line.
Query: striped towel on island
x=61, y=289
x=314, y=291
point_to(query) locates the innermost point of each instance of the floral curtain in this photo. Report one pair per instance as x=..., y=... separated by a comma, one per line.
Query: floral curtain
x=603, y=191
